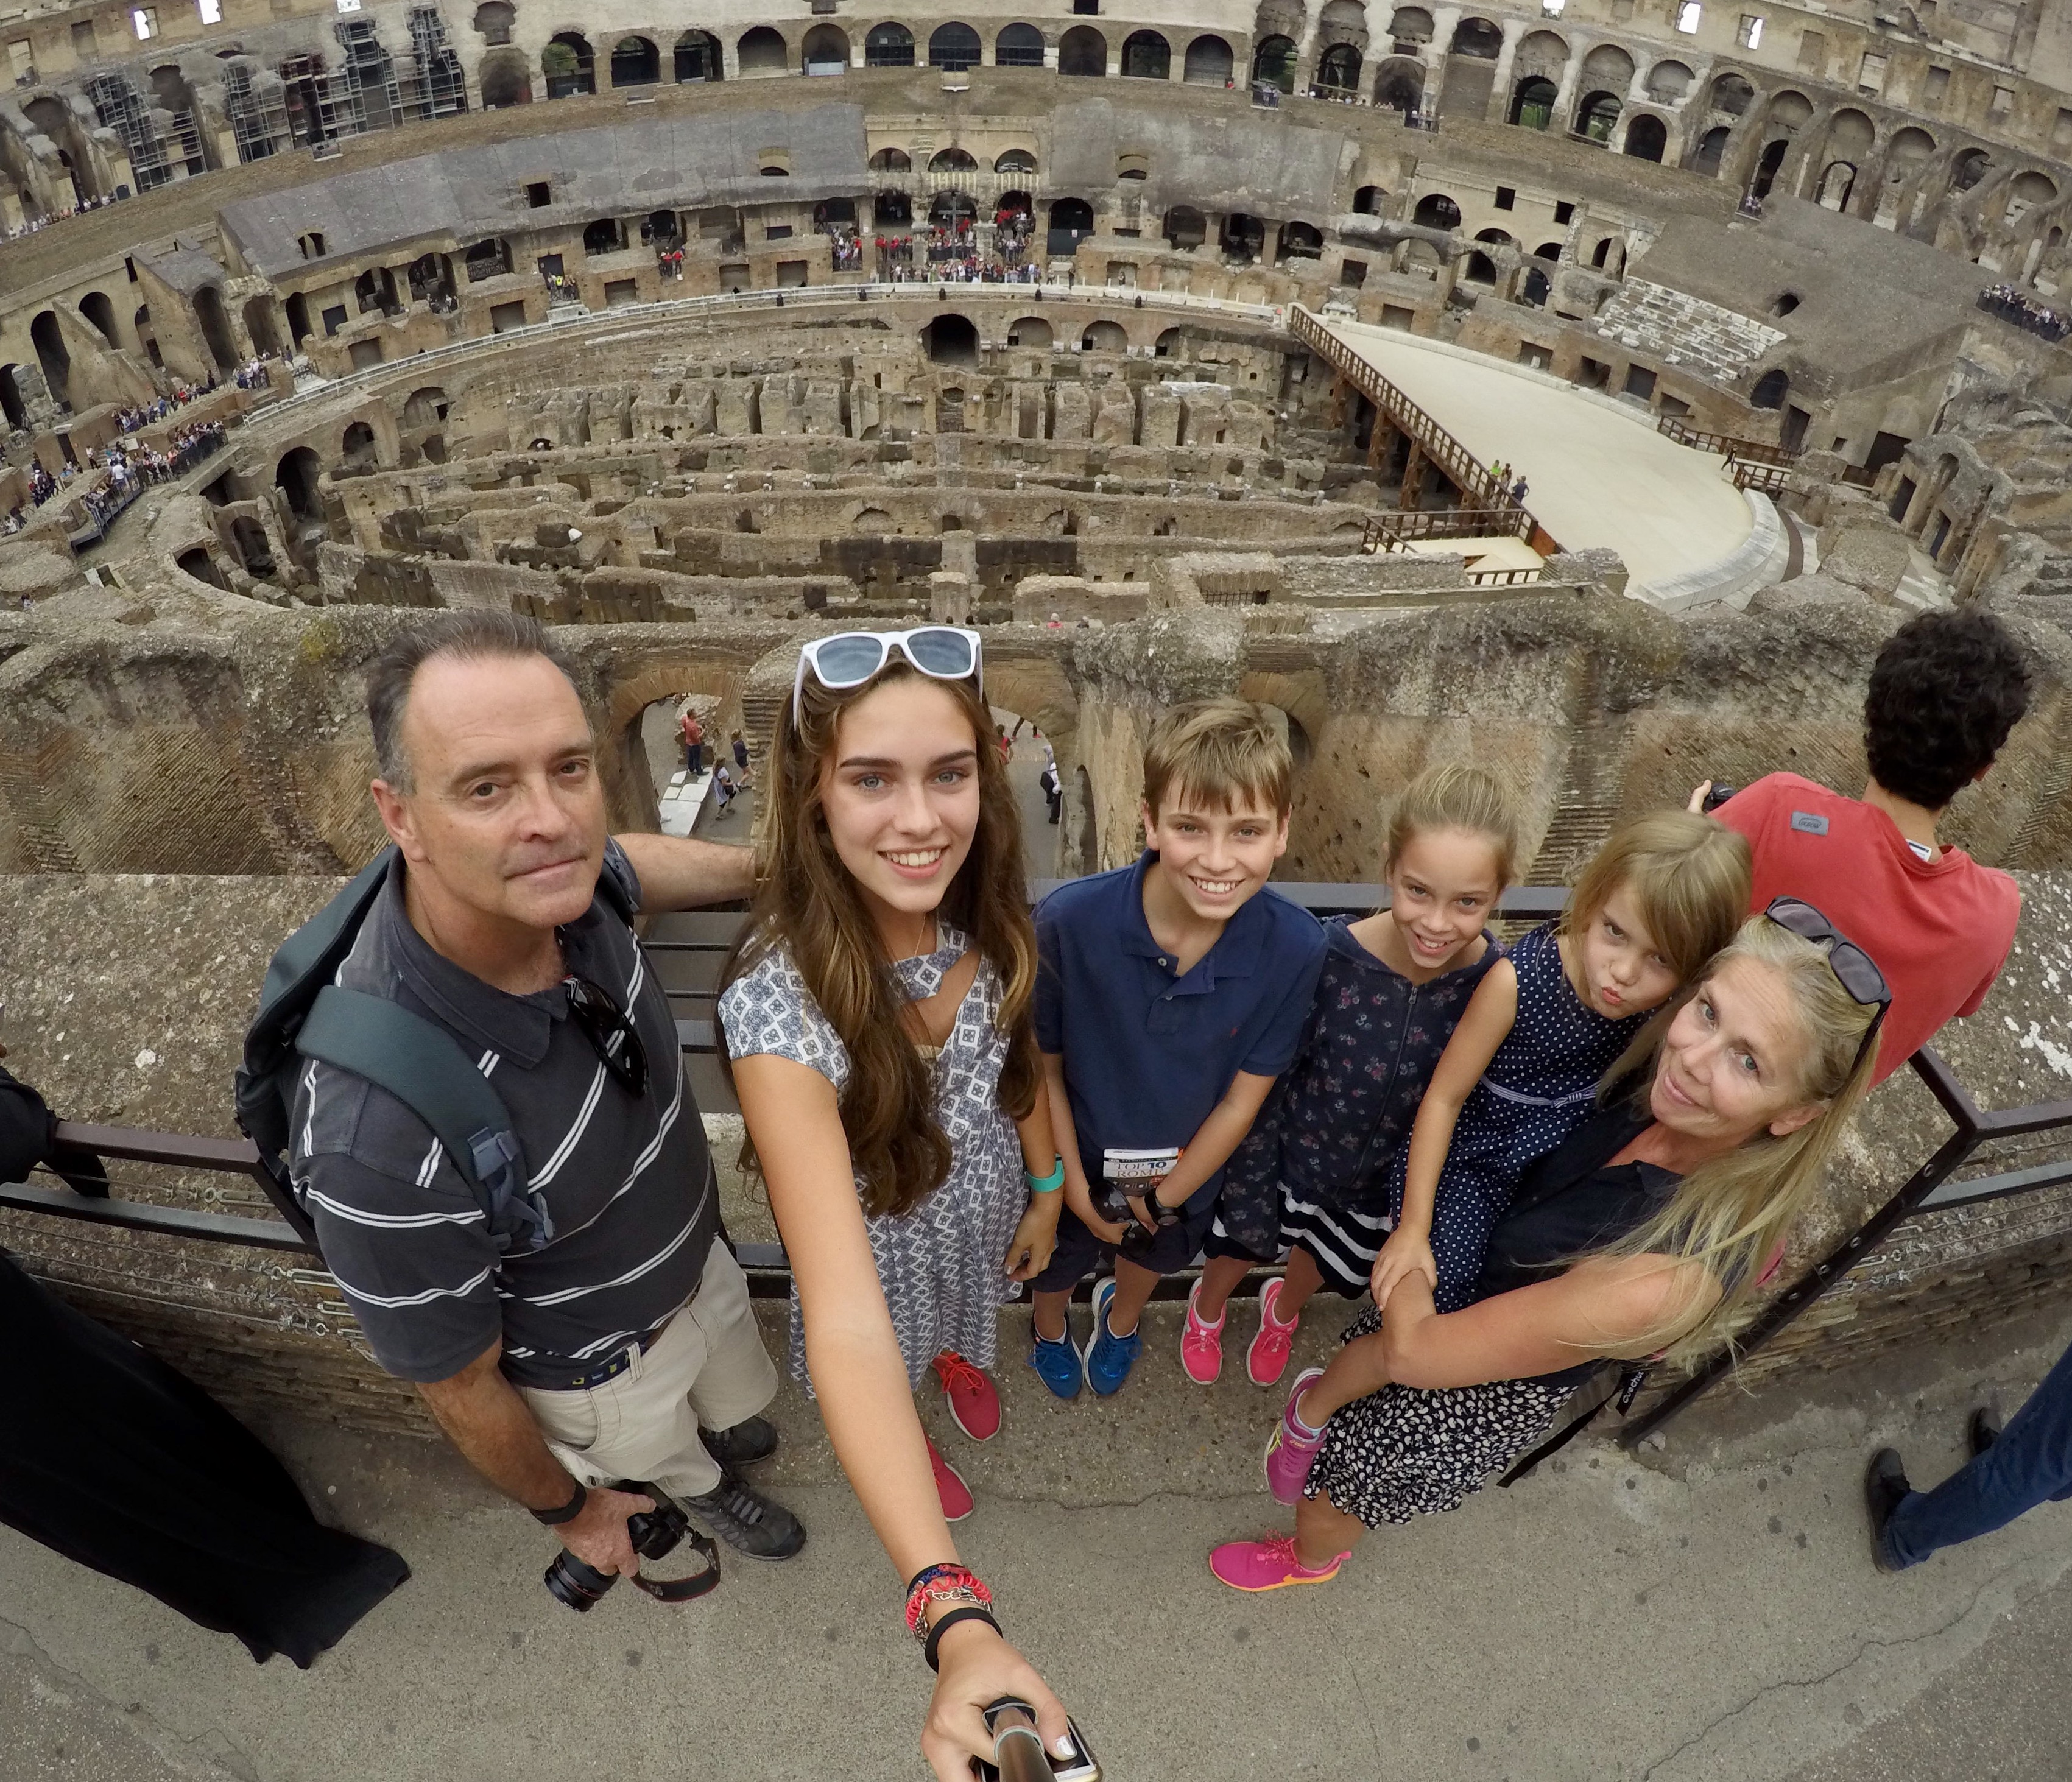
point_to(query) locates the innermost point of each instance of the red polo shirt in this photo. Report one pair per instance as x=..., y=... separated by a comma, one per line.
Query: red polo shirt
x=1939, y=930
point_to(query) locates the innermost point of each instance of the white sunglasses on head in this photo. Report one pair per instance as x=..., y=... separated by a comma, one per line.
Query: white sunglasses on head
x=849, y=658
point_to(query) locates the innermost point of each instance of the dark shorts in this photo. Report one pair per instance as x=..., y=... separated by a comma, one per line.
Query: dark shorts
x=1079, y=1249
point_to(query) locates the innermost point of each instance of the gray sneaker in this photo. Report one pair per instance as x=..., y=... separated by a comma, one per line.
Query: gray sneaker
x=748, y=1522
x=752, y=1439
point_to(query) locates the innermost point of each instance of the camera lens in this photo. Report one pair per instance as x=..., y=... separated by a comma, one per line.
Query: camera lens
x=570, y=1580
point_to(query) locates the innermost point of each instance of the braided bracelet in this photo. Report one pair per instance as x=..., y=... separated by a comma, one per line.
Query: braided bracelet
x=970, y=1613
x=948, y=1582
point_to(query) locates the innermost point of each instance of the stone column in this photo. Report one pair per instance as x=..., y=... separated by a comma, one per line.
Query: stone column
x=1564, y=93
x=1507, y=59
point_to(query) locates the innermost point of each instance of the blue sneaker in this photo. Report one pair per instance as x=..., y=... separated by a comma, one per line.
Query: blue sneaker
x=1109, y=1357
x=1057, y=1363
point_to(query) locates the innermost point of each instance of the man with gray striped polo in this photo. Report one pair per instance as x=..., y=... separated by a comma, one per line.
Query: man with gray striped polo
x=623, y=1348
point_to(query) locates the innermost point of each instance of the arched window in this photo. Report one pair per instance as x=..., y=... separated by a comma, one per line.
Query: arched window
x=604, y=235
x=1299, y=241
x=1185, y=228
x=1479, y=38
x=762, y=50
x=1031, y=330
x=1209, y=62
x=1437, y=210
x=493, y=20
x=954, y=47
x=1731, y=94
x=1533, y=292
x=1369, y=200
x=1103, y=337
x=1597, y=116
x=888, y=46
x=1071, y=220
x=1770, y=390
x=697, y=56
x=825, y=51
x=1019, y=47
x=1711, y=146
x=1399, y=89
x=1646, y=137
x=505, y=80
x=891, y=160
x=1532, y=102
x=1147, y=56
x=1273, y=63
x=1082, y=50
x=1016, y=160
x=1339, y=70
x=569, y=66
x=635, y=63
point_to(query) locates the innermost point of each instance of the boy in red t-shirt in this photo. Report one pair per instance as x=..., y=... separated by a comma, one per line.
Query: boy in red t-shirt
x=1945, y=691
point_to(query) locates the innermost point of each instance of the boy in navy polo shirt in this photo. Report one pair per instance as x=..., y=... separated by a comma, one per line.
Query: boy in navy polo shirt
x=1169, y=997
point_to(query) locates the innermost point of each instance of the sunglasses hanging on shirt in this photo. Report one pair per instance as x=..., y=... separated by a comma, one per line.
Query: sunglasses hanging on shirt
x=611, y=1035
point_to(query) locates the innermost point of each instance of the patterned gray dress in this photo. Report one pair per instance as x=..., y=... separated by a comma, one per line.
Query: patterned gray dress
x=943, y=1265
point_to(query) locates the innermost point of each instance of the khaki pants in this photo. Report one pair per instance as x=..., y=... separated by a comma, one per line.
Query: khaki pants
x=707, y=1366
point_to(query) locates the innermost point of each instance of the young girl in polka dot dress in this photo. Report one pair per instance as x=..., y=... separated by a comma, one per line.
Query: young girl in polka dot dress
x=1521, y=1071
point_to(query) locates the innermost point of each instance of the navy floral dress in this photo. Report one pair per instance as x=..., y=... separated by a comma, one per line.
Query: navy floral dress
x=1541, y=1085
x=1314, y=1169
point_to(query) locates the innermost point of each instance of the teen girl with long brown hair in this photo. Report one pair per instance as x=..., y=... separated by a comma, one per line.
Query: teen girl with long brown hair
x=876, y=1014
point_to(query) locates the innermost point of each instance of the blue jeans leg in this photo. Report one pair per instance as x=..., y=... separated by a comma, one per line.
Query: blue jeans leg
x=2031, y=1463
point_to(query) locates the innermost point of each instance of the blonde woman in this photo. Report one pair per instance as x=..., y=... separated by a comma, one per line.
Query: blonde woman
x=1647, y=1229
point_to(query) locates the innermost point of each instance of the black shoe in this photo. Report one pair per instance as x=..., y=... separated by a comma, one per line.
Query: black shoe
x=1885, y=1484
x=748, y=1522
x=752, y=1439
x=1983, y=1429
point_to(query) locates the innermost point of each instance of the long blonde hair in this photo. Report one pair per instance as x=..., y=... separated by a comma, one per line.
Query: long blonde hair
x=1690, y=875
x=1731, y=1212
x=807, y=902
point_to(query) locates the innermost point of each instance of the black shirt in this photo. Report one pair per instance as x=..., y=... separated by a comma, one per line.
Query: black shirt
x=1574, y=1201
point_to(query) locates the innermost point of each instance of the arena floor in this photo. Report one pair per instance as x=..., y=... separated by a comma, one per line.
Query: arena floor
x=1594, y=476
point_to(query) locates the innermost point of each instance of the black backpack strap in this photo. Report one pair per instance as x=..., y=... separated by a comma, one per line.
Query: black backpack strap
x=424, y=1068
x=1630, y=1381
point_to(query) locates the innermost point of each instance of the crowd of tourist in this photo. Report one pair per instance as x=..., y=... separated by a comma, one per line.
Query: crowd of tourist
x=2013, y=306
x=949, y=253
x=846, y=246
x=133, y=469
x=44, y=222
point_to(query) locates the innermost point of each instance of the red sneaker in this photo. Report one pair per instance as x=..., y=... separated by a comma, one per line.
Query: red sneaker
x=951, y=1488
x=974, y=1403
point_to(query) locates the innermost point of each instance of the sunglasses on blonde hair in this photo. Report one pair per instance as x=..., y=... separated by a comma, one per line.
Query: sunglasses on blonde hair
x=1854, y=969
x=850, y=658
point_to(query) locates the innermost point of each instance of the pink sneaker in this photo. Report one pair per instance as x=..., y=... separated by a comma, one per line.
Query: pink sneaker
x=1270, y=1564
x=1202, y=1343
x=1266, y=1360
x=1291, y=1448
x=951, y=1488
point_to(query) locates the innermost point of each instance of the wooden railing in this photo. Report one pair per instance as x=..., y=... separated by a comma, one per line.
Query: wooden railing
x=1480, y=491
x=1391, y=532
x=1751, y=451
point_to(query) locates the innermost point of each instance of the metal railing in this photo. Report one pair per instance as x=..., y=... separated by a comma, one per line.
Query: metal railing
x=1934, y=1187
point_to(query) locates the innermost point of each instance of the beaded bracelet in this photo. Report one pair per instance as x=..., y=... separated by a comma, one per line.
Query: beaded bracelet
x=935, y=1633
x=948, y=1583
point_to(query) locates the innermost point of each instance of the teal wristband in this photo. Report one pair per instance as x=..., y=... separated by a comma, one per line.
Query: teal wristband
x=1047, y=1184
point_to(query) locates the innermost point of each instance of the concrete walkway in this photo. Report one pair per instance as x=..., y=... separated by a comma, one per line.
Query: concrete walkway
x=1706, y=1615
x=1595, y=475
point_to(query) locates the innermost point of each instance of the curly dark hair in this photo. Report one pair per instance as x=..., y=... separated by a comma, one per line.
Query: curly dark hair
x=1945, y=691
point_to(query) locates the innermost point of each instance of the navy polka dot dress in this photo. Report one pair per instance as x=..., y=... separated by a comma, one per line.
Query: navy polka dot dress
x=1541, y=1085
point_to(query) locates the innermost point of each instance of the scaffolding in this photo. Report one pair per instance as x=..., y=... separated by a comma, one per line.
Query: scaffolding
x=259, y=126
x=377, y=94
x=321, y=106
x=121, y=109
x=441, y=87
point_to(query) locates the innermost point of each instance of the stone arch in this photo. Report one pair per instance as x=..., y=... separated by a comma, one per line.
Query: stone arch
x=1399, y=86
x=1031, y=330
x=1146, y=55
x=1437, y=210
x=1646, y=137
x=259, y=325
x=96, y=309
x=12, y=409
x=1532, y=102
x=426, y=407
x=1103, y=337
x=1837, y=179
x=507, y=80
x=1410, y=28
x=296, y=475
x=696, y=56
x=1770, y=389
x=52, y=356
x=1712, y=146
x=357, y=449
x=637, y=678
x=1338, y=69
x=1369, y=201
x=1669, y=82
x=569, y=65
x=764, y=51
x=1597, y=116
x=493, y=20
x=955, y=46
x=1185, y=228
x=953, y=160
x=1480, y=38
x=952, y=340
x=1610, y=67
x=1299, y=241
x=1273, y=62
x=1968, y=168
x=635, y=62
x=1730, y=93
x=1019, y=47
x=1209, y=62
x=1082, y=50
